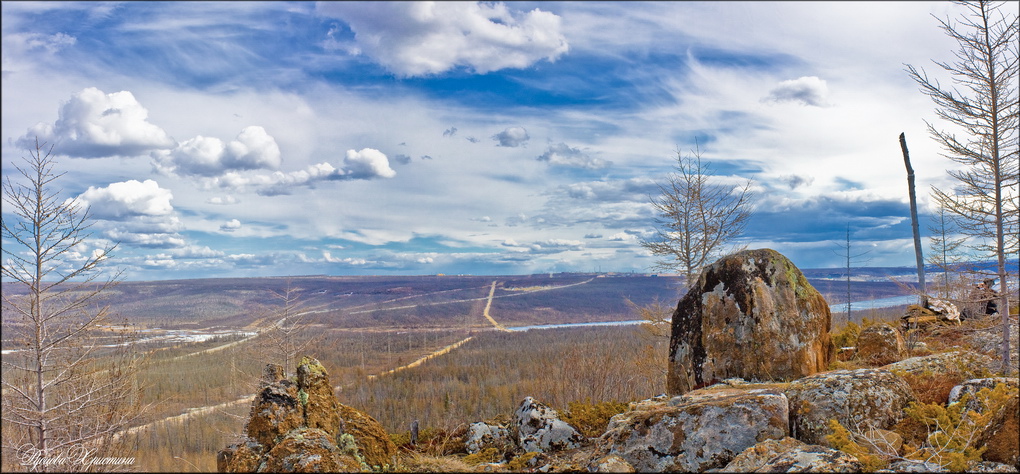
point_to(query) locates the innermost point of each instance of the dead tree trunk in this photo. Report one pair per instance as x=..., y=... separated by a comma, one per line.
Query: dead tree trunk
x=913, y=220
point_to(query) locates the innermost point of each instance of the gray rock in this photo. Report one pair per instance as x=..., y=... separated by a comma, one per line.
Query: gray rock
x=539, y=429
x=702, y=430
x=972, y=387
x=481, y=436
x=954, y=362
x=859, y=399
x=790, y=455
x=914, y=466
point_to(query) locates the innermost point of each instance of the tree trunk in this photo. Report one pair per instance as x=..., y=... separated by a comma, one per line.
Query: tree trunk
x=913, y=220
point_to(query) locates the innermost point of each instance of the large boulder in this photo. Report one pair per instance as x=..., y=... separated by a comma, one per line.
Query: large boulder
x=539, y=429
x=751, y=315
x=859, y=399
x=791, y=455
x=880, y=345
x=702, y=430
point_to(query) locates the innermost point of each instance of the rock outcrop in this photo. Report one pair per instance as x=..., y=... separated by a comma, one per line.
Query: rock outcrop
x=538, y=428
x=751, y=315
x=880, y=345
x=859, y=399
x=301, y=427
x=791, y=455
x=701, y=430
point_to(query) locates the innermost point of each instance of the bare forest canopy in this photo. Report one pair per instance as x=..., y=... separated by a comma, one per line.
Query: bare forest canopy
x=434, y=300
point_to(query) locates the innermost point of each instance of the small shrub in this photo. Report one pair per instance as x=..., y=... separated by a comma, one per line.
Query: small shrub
x=930, y=387
x=842, y=440
x=520, y=463
x=488, y=455
x=953, y=432
x=847, y=336
x=591, y=419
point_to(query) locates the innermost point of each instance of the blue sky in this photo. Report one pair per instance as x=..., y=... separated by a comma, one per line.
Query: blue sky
x=253, y=139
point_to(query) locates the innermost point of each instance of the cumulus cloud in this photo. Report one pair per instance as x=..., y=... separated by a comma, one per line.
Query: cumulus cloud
x=128, y=199
x=231, y=225
x=135, y=213
x=421, y=38
x=401, y=159
x=253, y=148
x=94, y=124
x=512, y=137
x=807, y=90
x=563, y=155
x=450, y=132
x=368, y=163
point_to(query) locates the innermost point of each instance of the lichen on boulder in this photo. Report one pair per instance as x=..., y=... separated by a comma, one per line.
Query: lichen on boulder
x=859, y=399
x=538, y=428
x=751, y=315
x=702, y=430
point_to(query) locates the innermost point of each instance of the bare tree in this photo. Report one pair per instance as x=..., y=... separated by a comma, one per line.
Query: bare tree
x=697, y=217
x=287, y=334
x=852, y=259
x=983, y=105
x=945, y=255
x=64, y=395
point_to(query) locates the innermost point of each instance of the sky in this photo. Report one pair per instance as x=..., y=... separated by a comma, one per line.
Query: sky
x=235, y=139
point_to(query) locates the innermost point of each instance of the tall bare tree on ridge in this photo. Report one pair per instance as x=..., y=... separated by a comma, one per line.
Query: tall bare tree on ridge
x=982, y=105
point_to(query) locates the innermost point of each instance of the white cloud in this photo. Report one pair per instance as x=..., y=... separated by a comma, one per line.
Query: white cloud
x=128, y=199
x=94, y=124
x=420, y=38
x=231, y=225
x=807, y=90
x=563, y=155
x=367, y=164
x=556, y=246
x=512, y=137
x=207, y=156
x=222, y=200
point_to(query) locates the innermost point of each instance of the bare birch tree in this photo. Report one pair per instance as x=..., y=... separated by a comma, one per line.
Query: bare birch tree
x=63, y=401
x=697, y=217
x=983, y=105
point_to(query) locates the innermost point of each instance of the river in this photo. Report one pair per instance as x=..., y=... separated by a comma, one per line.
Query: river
x=835, y=308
